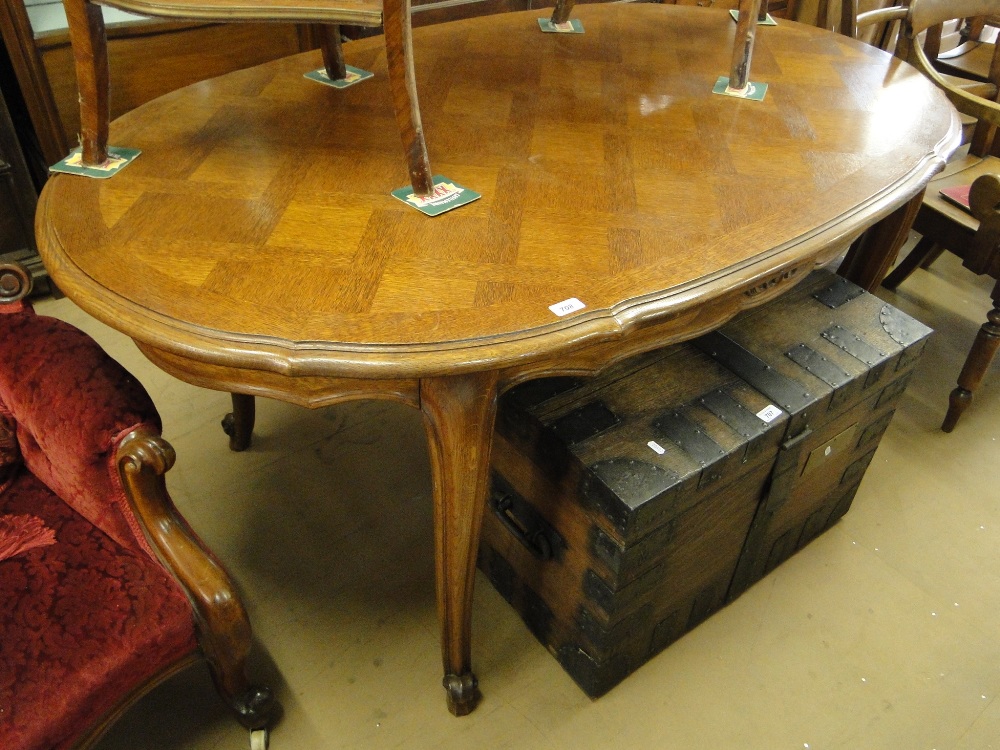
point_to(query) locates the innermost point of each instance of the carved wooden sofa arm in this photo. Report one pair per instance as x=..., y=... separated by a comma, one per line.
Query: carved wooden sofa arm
x=105, y=591
x=143, y=458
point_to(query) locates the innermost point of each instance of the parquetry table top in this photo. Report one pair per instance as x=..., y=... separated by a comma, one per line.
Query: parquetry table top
x=261, y=204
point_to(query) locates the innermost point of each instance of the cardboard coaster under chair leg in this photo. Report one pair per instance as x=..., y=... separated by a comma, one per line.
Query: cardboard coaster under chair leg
x=118, y=159
x=560, y=22
x=738, y=84
x=572, y=26
x=446, y=195
x=752, y=91
x=352, y=76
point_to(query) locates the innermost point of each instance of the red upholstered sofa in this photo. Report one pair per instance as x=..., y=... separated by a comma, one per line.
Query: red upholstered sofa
x=104, y=589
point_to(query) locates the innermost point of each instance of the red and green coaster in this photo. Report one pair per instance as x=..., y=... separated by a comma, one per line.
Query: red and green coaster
x=447, y=195
x=354, y=75
x=118, y=159
x=753, y=91
x=572, y=26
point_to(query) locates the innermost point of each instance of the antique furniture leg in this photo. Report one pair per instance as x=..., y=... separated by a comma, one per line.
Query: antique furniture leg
x=333, y=52
x=90, y=54
x=459, y=413
x=403, y=84
x=976, y=364
x=848, y=18
x=746, y=32
x=560, y=14
x=238, y=424
x=223, y=628
x=874, y=252
x=918, y=257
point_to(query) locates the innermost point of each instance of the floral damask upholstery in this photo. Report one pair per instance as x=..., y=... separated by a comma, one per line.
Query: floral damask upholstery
x=82, y=621
x=89, y=617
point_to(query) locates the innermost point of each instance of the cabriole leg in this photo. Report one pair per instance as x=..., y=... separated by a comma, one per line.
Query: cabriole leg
x=459, y=414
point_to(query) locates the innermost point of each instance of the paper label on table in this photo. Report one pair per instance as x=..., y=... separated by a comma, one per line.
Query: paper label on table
x=354, y=75
x=768, y=21
x=656, y=447
x=567, y=306
x=447, y=195
x=753, y=91
x=118, y=159
x=769, y=413
x=572, y=26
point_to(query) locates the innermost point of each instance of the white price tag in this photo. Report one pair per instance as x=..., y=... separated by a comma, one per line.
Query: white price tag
x=656, y=447
x=769, y=413
x=567, y=306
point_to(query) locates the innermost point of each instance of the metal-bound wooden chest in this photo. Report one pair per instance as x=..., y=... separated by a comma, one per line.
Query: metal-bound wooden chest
x=628, y=507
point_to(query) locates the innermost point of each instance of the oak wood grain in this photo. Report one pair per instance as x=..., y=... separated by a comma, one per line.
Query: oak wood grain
x=687, y=194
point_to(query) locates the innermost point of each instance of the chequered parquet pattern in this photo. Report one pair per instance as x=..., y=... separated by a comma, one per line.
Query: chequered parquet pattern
x=608, y=171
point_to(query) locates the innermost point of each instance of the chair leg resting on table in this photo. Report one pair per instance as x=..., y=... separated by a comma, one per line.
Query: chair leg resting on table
x=403, y=85
x=560, y=14
x=333, y=52
x=90, y=54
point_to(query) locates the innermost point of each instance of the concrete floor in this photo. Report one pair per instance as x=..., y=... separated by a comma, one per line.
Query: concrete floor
x=883, y=633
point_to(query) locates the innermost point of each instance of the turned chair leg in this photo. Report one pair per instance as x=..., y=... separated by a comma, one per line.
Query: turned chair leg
x=238, y=424
x=403, y=84
x=333, y=52
x=90, y=54
x=980, y=357
x=560, y=14
x=924, y=253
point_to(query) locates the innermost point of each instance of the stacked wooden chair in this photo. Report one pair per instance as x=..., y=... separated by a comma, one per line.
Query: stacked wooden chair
x=973, y=233
x=89, y=40
x=972, y=56
x=104, y=589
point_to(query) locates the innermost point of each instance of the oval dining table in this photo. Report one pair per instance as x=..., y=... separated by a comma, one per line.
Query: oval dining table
x=255, y=247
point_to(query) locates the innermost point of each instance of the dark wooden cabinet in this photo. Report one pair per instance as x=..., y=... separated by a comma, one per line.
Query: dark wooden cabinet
x=148, y=58
x=17, y=198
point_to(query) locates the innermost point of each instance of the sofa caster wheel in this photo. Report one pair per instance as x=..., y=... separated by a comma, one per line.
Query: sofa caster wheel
x=259, y=739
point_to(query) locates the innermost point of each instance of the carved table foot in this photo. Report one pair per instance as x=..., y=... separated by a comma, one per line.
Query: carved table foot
x=459, y=414
x=463, y=693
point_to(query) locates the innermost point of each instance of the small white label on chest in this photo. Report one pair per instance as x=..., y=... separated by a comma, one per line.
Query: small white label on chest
x=567, y=306
x=656, y=447
x=769, y=413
